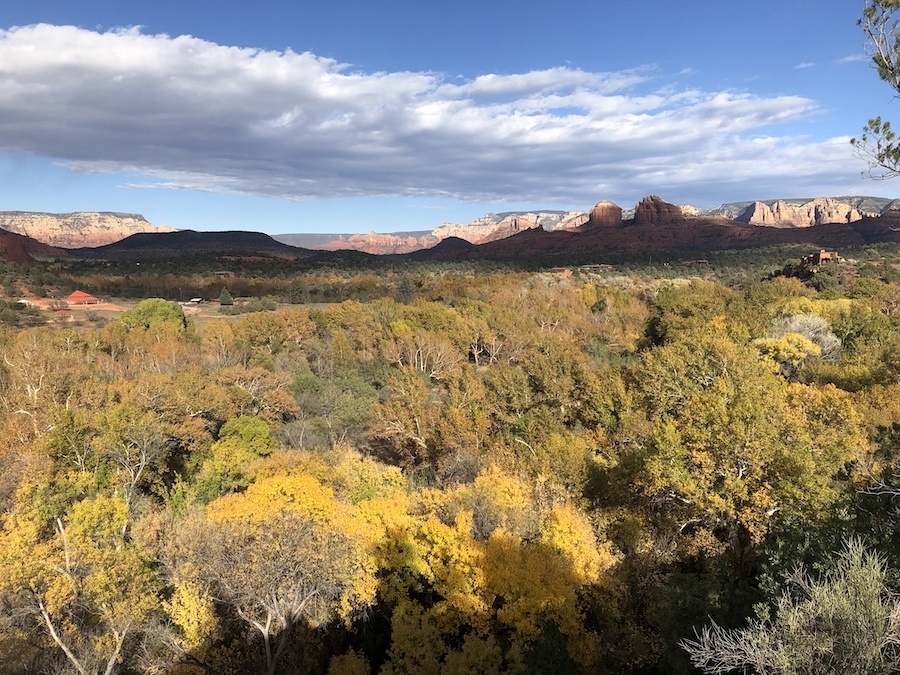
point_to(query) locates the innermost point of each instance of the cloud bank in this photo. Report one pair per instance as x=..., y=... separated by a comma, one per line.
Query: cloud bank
x=190, y=114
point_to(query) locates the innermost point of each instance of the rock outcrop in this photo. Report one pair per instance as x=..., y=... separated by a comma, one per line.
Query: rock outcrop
x=380, y=244
x=18, y=248
x=786, y=213
x=77, y=230
x=605, y=214
x=491, y=227
x=783, y=213
x=654, y=211
x=568, y=222
x=496, y=226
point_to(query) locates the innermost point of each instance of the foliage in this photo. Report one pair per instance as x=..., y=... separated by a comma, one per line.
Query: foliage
x=155, y=314
x=845, y=621
x=729, y=448
x=878, y=144
x=85, y=584
x=433, y=470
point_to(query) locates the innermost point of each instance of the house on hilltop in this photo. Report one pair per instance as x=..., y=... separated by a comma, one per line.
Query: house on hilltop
x=810, y=264
x=82, y=298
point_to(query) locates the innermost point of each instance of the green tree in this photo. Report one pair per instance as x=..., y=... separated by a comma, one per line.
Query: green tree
x=234, y=457
x=878, y=145
x=686, y=310
x=225, y=297
x=299, y=292
x=732, y=446
x=154, y=313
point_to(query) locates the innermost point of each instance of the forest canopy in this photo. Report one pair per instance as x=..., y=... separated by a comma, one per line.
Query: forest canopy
x=503, y=472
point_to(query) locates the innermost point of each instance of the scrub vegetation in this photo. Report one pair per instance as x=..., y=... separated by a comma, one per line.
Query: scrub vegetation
x=651, y=467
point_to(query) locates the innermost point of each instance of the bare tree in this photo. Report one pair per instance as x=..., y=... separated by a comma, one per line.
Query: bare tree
x=274, y=574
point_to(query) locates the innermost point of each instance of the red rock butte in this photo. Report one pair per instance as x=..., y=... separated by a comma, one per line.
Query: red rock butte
x=653, y=210
x=605, y=214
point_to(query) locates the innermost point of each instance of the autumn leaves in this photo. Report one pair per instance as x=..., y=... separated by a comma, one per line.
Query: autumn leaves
x=542, y=475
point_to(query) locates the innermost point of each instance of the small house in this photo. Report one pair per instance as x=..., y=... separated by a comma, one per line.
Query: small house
x=811, y=264
x=82, y=298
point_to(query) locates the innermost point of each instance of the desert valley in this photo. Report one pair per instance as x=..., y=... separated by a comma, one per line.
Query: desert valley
x=545, y=442
x=390, y=339
x=653, y=225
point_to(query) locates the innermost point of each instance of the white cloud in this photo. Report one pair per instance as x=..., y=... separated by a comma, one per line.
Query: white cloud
x=805, y=65
x=191, y=114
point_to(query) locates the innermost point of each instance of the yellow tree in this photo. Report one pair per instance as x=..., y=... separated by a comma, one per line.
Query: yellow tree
x=282, y=552
x=92, y=591
x=479, y=577
x=299, y=328
x=219, y=345
x=262, y=334
x=404, y=425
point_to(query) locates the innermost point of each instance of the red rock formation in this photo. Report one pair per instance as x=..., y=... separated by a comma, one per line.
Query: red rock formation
x=654, y=211
x=818, y=211
x=605, y=214
x=77, y=230
x=499, y=226
x=20, y=249
x=380, y=244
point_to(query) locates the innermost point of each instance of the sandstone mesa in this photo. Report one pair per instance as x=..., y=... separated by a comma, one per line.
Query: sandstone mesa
x=94, y=229
x=77, y=230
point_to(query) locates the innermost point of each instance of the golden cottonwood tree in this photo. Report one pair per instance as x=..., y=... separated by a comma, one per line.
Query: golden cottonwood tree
x=91, y=590
x=282, y=552
x=480, y=575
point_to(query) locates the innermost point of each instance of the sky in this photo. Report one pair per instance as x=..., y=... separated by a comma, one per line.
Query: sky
x=401, y=115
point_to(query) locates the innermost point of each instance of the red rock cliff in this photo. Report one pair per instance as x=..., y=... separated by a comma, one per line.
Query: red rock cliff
x=654, y=211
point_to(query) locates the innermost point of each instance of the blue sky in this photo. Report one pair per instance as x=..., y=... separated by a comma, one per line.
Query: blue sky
x=397, y=115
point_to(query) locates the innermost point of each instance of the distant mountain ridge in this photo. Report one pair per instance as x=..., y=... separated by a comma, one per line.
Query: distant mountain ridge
x=780, y=213
x=654, y=226
x=867, y=205
x=82, y=230
x=79, y=229
x=659, y=227
x=487, y=228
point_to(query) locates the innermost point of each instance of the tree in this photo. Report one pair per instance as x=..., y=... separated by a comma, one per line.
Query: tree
x=154, y=313
x=225, y=297
x=90, y=589
x=404, y=425
x=878, y=145
x=299, y=292
x=234, y=457
x=686, y=310
x=283, y=552
x=847, y=621
x=218, y=345
x=733, y=448
x=262, y=334
x=493, y=578
x=274, y=574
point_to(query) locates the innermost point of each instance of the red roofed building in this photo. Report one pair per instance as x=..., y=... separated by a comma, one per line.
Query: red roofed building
x=82, y=298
